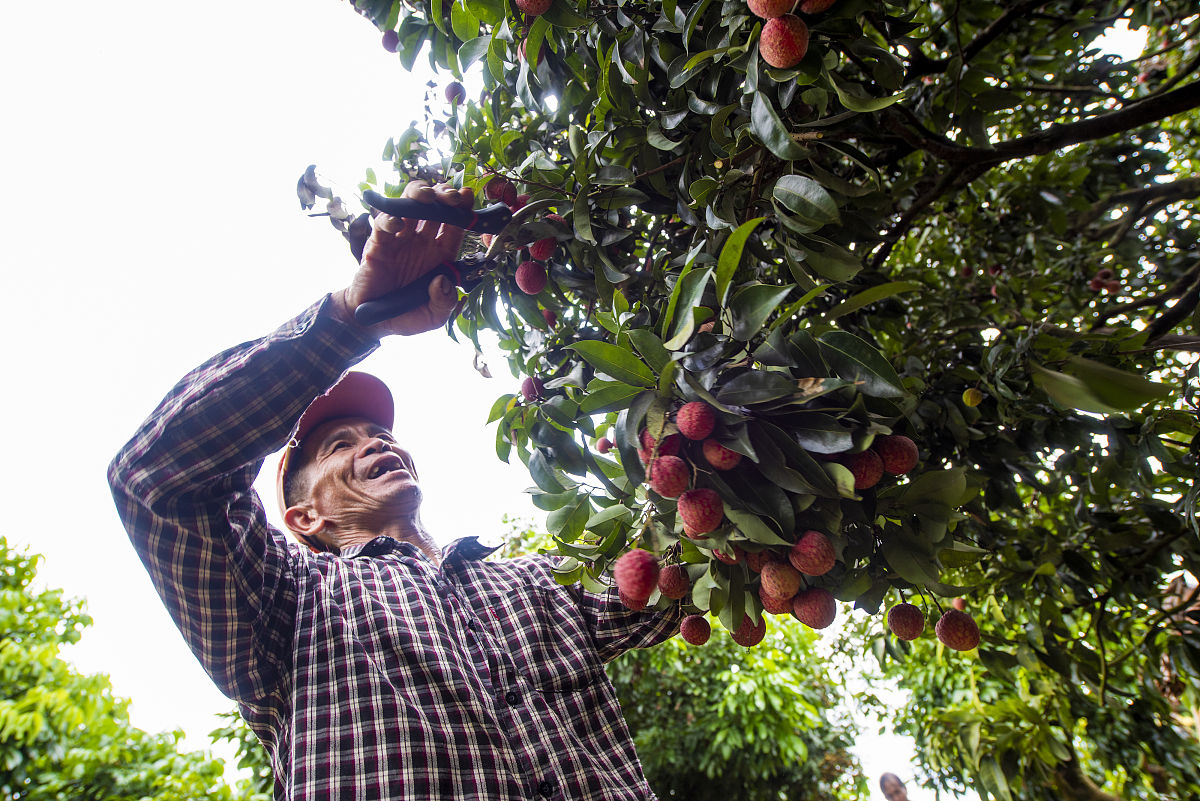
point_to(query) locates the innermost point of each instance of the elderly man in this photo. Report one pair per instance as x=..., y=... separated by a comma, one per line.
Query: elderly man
x=372, y=664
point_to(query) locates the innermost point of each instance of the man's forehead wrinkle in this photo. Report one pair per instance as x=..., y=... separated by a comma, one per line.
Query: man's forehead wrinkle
x=340, y=427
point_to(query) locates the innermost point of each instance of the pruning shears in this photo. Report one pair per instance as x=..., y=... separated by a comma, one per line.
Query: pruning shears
x=466, y=273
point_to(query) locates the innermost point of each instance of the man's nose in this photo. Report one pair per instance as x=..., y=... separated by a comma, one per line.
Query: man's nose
x=375, y=445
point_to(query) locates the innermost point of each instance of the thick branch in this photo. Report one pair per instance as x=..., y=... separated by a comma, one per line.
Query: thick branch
x=1175, y=315
x=1076, y=786
x=923, y=65
x=1182, y=189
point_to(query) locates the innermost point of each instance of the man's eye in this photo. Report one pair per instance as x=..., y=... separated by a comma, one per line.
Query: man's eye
x=337, y=446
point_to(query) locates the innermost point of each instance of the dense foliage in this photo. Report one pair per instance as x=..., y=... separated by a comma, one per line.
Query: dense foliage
x=64, y=736
x=957, y=221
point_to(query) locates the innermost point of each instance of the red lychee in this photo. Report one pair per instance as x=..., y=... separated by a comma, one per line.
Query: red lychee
x=813, y=554
x=1112, y=286
x=776, y=606
x=720, y=457
x=756, y=559
x=673, y=582
x=695, y=420
x=501, y=189
x=670, y=445
x=730, y=557
x=897, y=452
x=960, y=604
x=531, y=277
x=695, y=629
x=532, y=388
x=636, y=573
x=543, y=248
x=783, y=41
x=669, y=476
x=455, y=93
x=814, y=607
x=701, y=510
x=391, y=41
x=780, y=580
x=519, y=202
x=634, y=604
x=769, y=9
x=816, y=6
x=867, y=468
x=906, y=621
x=1104, y=274
x=604, y=445
x=550, y=316
x=534, y=8
x=957, y=630
x=749, y=635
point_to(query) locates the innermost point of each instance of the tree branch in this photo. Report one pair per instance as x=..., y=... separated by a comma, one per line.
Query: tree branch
x=923, y=65
x=1182, y=189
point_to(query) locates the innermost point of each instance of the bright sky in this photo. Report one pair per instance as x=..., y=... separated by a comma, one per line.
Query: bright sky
x=150, y=155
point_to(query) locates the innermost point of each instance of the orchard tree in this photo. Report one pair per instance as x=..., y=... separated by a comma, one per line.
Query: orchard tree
x=865, y=300
x=65, y=736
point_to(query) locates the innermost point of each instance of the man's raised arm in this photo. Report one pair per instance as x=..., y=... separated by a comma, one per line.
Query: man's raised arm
x=183, y=483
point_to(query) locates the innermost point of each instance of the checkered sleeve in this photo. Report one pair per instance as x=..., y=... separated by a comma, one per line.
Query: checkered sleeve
x=617, y=629
x=183, y=489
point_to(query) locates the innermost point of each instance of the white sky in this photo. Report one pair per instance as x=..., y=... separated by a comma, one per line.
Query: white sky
x=149, y=157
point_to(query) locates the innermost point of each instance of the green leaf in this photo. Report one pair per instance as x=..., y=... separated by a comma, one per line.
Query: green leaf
x=806, y=199
x=567, y=523
x=752, y=305
x=543, y=474
x=869, y=296
x=1119, y=388
x=731, y=256
x=909, y=565
x=831, y=261
x=855, y=99
x=756, y=386
x=607, y=396
x=651, y=348
x=766, y=125
x=616, y=362
x=473, y=50
x=754, y=528
x=1068, y=391
x=689, y=291
x=854, y=360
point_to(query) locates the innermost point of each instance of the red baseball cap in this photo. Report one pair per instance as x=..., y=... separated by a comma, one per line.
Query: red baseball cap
x=354, y=395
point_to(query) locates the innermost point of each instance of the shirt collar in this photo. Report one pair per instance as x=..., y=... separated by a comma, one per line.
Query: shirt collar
x=463, y=549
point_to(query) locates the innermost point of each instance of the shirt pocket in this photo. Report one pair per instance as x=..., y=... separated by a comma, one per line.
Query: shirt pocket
x=545, y=635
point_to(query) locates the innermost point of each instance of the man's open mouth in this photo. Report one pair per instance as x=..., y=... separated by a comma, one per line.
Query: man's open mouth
x=387, y=464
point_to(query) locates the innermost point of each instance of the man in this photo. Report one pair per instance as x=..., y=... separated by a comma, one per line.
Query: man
x=372, y=664
x=893, y=788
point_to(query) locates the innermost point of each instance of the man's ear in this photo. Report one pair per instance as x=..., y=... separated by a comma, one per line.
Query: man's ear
x=307, y=525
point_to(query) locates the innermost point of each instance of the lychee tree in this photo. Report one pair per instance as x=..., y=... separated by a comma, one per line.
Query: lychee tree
x=959, y=227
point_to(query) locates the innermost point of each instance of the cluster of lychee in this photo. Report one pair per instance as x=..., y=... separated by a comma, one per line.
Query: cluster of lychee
x=784, y=38
x=955, y=628
x=1105, y=281
x=531, y=273
x=894, y=454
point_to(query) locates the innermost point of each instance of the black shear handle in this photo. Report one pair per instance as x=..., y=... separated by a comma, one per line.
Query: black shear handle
x=488, y=221
x=405, y=299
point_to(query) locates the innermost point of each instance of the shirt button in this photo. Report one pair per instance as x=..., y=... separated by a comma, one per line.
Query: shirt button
x=472, y=624
x=512, y=698
x=545, y=788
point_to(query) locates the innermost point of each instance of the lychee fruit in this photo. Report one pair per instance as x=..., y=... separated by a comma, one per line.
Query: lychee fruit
x=531, y=277
x=906, y=621
x=695, y=629
x=769, y=9
x=534, y=8
x=776, y=606
x=1104, y=274
x=897, y=452
x=780, y=580
x=455, y=93
x=814, y=607
x=756, y=559
x=695, y=420
x=749, y=635
x=867, y=468
x=816, y=6
x=673, y=582
x=543, y=248
x=701, y=510
x=783, y=41
x=957, y=630
x=1112, y=286
x=669, y=476
x=960, y=604
x=812, y=554
x=501, y=189
x=521, y=52
x=972, y=397
x=519, y=203
x=532, y=388
x=730, y=557
x=720, y=457
x=633, y=604
x=636, y=573
x=604, y=445
x=391, y=41
x=670, y=445
x=550, y=316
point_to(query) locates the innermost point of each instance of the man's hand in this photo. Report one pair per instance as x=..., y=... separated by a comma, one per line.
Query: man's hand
x=400, y=251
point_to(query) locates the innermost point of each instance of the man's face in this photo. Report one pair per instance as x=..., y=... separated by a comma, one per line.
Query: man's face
x=355, y=472
x=893, y=789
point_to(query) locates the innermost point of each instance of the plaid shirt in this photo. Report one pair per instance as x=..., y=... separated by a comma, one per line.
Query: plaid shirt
x=373, y=674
